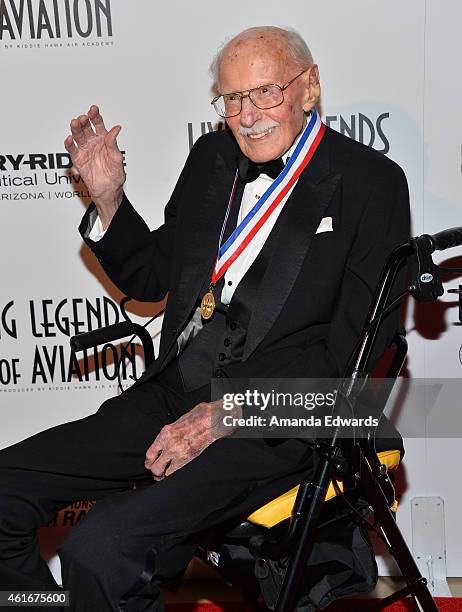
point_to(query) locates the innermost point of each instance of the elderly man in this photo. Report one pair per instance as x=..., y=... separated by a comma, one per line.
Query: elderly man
x=271, y=248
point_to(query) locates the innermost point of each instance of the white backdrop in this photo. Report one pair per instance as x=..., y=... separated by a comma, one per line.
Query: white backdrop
x=390, y=76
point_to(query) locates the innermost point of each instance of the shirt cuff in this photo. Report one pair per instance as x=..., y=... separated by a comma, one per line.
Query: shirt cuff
x=96, y=232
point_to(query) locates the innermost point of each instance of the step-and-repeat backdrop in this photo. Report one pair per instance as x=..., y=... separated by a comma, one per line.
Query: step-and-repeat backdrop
x=390, y=78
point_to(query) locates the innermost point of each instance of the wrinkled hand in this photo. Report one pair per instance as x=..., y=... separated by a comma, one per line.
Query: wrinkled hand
x=97, y=158
x=185, y=439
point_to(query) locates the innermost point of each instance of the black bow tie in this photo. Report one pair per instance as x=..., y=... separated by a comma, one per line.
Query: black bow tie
x=249, y=170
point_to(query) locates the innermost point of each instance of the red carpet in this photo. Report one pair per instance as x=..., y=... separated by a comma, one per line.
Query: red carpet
x=445, y=604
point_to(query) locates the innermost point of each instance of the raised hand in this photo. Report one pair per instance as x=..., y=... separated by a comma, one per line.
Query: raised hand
x=97, y=158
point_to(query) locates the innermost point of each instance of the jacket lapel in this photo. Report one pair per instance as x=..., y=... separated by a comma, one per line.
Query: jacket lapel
x=303, y=212
x=204, y=233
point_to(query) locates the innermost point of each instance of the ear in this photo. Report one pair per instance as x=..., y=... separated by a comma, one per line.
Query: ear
x=313, y=88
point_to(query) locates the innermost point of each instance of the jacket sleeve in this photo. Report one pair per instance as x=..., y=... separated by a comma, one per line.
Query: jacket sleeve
x=138, y=260
x=383, y=225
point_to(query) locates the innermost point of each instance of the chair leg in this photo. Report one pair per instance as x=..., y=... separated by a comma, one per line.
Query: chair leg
x=304, y=538
x=417, y=584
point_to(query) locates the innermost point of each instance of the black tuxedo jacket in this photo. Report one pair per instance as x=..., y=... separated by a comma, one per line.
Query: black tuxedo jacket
x=315, y=293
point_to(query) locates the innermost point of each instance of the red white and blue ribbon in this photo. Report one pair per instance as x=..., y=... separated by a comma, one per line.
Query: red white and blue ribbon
x=273, y=196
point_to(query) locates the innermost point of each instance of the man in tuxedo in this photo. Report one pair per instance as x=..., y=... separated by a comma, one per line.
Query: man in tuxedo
x=290, y=304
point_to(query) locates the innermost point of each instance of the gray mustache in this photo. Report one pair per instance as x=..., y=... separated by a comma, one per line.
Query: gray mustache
x=255, y=130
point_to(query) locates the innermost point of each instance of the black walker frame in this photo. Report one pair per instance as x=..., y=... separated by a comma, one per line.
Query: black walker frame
x=424, y=284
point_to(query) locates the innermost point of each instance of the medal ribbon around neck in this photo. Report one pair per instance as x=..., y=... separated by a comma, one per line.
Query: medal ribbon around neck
x=263, y=208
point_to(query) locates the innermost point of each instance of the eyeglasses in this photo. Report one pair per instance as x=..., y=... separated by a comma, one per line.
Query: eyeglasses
x=263, y=97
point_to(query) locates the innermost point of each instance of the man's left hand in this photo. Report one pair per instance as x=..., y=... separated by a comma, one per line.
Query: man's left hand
x=185, y=439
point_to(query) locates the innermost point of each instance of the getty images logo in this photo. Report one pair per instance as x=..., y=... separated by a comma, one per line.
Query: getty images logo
x=54, y=19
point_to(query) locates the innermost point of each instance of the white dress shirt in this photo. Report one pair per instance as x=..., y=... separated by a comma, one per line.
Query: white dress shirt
x=252, y=193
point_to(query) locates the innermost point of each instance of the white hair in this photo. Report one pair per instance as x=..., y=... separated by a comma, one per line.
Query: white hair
x=297, y=48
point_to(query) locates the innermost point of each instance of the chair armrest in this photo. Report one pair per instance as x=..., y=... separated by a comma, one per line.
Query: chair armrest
x=115, y=332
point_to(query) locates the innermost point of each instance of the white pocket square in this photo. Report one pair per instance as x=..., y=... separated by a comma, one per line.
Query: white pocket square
x=325, y=225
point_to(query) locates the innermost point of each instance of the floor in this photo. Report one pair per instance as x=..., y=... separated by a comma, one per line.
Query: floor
x=206, y=586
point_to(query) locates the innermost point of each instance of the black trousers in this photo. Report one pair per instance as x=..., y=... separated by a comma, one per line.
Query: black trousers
x=117, y=556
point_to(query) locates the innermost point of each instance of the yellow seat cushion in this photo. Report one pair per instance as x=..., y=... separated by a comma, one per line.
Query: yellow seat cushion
x=280, y=509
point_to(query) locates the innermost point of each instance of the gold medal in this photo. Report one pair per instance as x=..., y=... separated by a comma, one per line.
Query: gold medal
x=208, y=304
